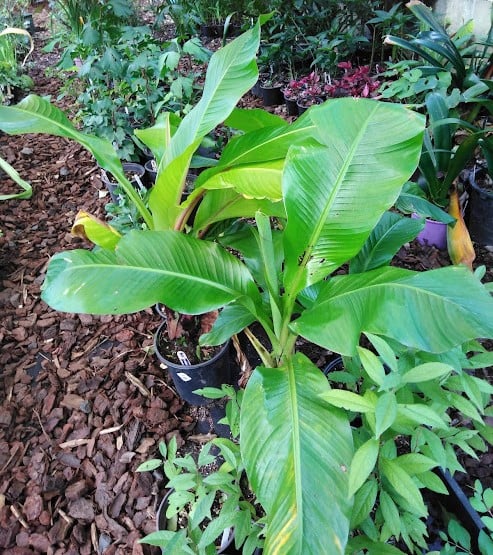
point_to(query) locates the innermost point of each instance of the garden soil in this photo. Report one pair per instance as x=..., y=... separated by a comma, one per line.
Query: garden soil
x=83, y=400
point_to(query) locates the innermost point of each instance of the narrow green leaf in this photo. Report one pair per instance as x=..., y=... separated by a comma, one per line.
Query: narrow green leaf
x=348, y=400
x=415, y=463
x=151, y=464
x=12, y=173
x=372, y=365
x=421, y=414
x=432, y=482
x=425, y=372
x=390, y=513
x=364, y=501
x=385, y=412
x=384, y=350
x=403, y=484
x=362, y=465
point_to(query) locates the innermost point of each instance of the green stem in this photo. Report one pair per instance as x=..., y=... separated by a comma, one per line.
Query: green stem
x=135, y=198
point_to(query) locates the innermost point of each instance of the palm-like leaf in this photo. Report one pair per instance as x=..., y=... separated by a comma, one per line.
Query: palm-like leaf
x=391, y=232
x=36, y=115
x=433, y=311
x=335, y=196
x=147, y=267
x=232, y=71
x=295, y=454
x=224, y=204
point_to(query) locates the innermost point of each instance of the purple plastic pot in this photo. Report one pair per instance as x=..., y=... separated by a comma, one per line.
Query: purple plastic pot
x=434, y=233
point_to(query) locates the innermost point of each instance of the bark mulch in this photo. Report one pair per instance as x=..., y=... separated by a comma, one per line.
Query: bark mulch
x=83, y=400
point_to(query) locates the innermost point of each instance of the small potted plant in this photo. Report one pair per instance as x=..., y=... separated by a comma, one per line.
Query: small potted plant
x=209, y=506
x=310, y=93
x=355, y=81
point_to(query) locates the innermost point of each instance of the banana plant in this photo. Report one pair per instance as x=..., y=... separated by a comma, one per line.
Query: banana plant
x=332, y=176
x=336, y=185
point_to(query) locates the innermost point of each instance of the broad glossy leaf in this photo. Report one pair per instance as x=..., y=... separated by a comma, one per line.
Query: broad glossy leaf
x=443, y=308
x=296, y=450
x=264, y=145
x=250, y=119
x=186, y=274
x=231, y=320
x=35, y=114
x=166, y=195
x=231, y=72
x=391, y=232
x=261, y=181
x=335, y=194
x=159, y=135
x=224, y=204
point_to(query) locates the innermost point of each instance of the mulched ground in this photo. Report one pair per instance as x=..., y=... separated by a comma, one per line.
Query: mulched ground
x=83, y=400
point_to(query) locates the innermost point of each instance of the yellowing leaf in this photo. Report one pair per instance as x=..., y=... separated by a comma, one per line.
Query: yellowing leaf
x=87, y=226
x=460, y=248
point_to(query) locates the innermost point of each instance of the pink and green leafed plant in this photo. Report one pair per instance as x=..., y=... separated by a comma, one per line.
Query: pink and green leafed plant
x=356, y=82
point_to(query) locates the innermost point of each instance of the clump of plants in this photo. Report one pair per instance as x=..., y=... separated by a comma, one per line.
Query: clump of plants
x=299, y=202
x=128, y=85
x=15, y=47
x=355, y=81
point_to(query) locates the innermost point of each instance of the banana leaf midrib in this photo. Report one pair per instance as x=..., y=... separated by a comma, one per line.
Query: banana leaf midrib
x=159, y=271
x=245, y=153
x=318, y=229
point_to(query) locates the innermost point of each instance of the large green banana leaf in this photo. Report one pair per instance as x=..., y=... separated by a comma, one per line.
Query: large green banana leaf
x=296, y=451
x=391, y=232
x=335, y=194
x=232, y=71
x=433, y=311
x=224, y=204
x=35, y=114
x=186, y=274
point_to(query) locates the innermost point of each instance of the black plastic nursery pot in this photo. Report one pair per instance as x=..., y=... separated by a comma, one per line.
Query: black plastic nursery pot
x=457, y=503
x=480, y=214
x=134, y=172
x=151, y=171
x=291, y=106
x=271, y=96
x=187, y=378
